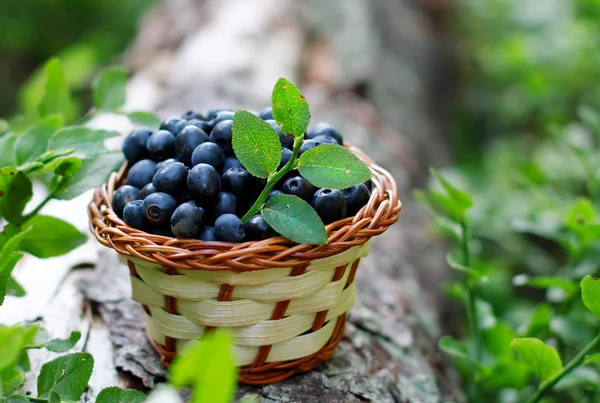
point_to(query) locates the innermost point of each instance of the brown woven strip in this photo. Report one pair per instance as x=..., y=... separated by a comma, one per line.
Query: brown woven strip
x=352, y=273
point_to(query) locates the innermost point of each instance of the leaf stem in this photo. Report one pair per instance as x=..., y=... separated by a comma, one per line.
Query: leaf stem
x=49, y=197
x=273, y=179
x=574, y=363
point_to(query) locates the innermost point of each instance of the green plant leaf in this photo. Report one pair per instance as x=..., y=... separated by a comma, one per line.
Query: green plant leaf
x=460, y=197
x=290, y=109
x=52, y=155
x=62, y=345
x=545, y=282
x=67, y=375
x=84, y=140
x=6, y=267
x=12, y=341
x=14, y=289
x=7, y=150
x=542, y=359
x=54, y=398
x=4, y=126
x=295, y=219
x=590, y=293
x=34, y=142
x=592, y=359
x=540, y=320
x=256, y=144
x=51, y=236
x=12, y=379
x=57, y=98
x=333, y=166
x=16, y=399
x=457, y=351
x=94, y=172
x=15, y=192
x=507, y=372
x=109, y=88
x=214, y=381
x=118, y=395
x=144, y=119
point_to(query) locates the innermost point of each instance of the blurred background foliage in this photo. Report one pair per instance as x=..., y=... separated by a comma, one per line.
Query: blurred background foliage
x=83, y=34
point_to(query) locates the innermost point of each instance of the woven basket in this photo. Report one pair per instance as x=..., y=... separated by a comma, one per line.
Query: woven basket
x=285, y=303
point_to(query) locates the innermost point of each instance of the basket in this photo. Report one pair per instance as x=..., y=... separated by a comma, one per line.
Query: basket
x=285, y=303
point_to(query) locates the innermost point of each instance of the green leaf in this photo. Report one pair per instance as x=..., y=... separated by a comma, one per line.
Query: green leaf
x=256, y=144
x=12, y=379
x=473, y=275
x=14, y=289
x=540, y=320
x=290, y=109
x=4, y=126
x=293, y=218
x=34, y=142
x=590, y=293
x=54, y=398
x=51, y=236
x=57, y=98
x=67, y=375
x=62, y=345
x=461, y=198
x=144, y=119
x=16, y=399
x=118, y=395
x=23, y=361
x=84, y=140
x=52, y=155
x=7, y=265
x=15, y=192
x=499, y=337
x=12, y=341
x=592, y=359
x=542, y=359
x=94, y=172
x=333, y=166
x=7, y=150
x=545, y=282
x=214, y=381
x=507, y=372
x=457, y=351
x=109, y=88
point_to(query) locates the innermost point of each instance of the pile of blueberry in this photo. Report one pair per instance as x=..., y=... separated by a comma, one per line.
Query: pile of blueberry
x=186, y=182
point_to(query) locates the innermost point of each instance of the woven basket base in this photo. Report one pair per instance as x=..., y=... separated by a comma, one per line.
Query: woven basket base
x=274, y=371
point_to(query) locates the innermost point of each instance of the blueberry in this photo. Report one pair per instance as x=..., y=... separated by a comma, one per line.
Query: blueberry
x=147, y=191
x=189, y=114
x=134, y=215
x=209, y=153
x=221, y=134
x=356, y=197
x=231, y=162
x=286, y=142
x=134, y=146
x=298, y=186
x=161, y=145
x=186, y=141
x=369, y=185
x=204, y=183
x=229, y=228
x=164, y=230
x=237, y=181
x=274, y=193
x=171, y=179
x=200, y=124
x=324, y=139
x=173, y=125
x=141, y=173
x=221, y=117
x=164, y=163
x=213, y=112
x=329, y=205
x=199, y=116
x=266, y=113
x=187, y=220
x=226, y=204
x=286, y=155
x=122, y=196
x=159, y=208
x=207, y=234
x=256, y=228
x=326, y=129
x=307, y=145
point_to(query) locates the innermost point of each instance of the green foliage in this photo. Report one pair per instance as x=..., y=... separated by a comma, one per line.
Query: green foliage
x=333, y=166
x=590, y=292
x=50, y=236
x=290, y=109
x=57, y=97
x=109, y=89
x=144, y=119
x=114, y=394
x=295, y=218
x=256, y=144
x=542, y=359
x=67, y=375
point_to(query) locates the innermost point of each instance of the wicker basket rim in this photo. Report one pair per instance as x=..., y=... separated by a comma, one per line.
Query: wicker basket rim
x=381, y=211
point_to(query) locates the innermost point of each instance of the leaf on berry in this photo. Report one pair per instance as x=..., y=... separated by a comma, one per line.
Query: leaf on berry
x=256, y=144
x=542, y=359
x=590, y=293
x=114, y=394
x=56, y=98
x=51, y=236
x=94, y=171
x=15, y=192
x=144, y=119
x=34, y=142
x=290, y=109
x=295, y=219
x=84, y=140
x=67, y=375
x=333, y=166
x=109, y=88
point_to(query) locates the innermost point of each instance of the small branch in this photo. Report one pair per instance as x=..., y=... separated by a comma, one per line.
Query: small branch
x=49, y=197
x=574, y=363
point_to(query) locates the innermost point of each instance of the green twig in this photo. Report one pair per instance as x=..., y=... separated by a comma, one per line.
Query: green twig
x=49, y=197
x=273, y=179
x=574, y=363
